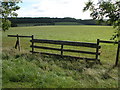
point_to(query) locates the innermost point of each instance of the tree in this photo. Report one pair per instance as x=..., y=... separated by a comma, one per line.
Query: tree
x=106, y=11
x=8, y=10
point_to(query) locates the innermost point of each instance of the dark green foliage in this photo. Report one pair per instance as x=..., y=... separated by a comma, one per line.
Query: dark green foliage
x=13, y=25
x=106, y=10
x=51, y=21
x=8, y=9
x=5, y=24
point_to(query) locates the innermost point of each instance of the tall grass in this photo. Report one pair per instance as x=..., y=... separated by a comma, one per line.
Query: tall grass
x=23, y=70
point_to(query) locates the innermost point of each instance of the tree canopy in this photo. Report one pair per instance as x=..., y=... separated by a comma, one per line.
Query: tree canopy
x=8, y=10
x=106, y=11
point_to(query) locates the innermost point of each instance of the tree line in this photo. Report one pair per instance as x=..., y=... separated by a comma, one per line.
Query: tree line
x=49, y=21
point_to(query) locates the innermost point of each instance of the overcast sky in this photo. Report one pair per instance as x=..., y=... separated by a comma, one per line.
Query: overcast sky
x=53, y=8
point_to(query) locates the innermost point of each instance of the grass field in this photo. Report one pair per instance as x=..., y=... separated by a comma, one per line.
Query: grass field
x=70, y=33
x=73, y=33
x=59, y=71
x=43, y=24
x=67, y=23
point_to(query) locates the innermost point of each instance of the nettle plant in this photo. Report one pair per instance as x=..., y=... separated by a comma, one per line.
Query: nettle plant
x=107, y=11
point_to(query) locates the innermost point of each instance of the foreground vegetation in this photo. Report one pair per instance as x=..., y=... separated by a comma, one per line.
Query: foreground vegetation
x=21, y=69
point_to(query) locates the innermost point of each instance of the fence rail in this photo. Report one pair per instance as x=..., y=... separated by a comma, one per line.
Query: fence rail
x=102, y=41
x=71, y=43
x=67, y=50
x=19, y=36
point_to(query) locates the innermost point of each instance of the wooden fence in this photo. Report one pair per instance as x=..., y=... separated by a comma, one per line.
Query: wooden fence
x=69, y=43
x=62, y=50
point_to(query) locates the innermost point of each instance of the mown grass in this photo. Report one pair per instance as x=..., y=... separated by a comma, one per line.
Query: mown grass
x=23, y=70
x=72, y=33
x=54, y=72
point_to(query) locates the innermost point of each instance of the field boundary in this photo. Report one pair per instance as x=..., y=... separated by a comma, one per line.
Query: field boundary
x=69, y=43
x=62, y=50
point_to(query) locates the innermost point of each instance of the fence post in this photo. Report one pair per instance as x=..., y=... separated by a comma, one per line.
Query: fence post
x=32, y=44
x=97, y=49
x=61, y=49
x=117, y=56
x=17, y=43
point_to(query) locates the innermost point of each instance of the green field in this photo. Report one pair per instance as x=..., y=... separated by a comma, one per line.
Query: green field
x=73, y=33
x=70, y=33
x=43, y=24
x=67, y=23
x=67, y=33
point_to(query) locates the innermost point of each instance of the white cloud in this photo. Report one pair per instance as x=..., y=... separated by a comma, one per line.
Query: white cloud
x=53, y=8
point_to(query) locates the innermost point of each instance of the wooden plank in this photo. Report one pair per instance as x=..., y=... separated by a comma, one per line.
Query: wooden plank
x=65, y=56
x=61, y=42
x=42, y=47
x=67, y=50
x=83, y=44
x=77, y=51
x=97, y=49
x=20, y=36
x=108, y=42
x=32, y=44
x=16, y=44
x=61, y=49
